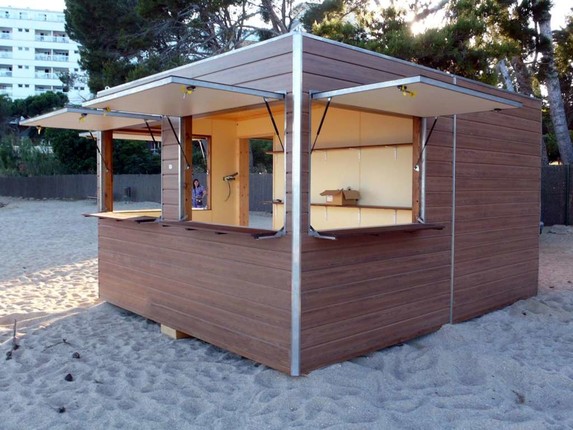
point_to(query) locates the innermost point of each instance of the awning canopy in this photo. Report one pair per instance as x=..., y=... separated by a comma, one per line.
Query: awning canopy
x=416, y=96
x=177, y=96
x=76, y=118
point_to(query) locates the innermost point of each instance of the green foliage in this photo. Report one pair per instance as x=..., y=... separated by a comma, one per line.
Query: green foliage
x=564, y=62
x=260, y=160
x=462, y=45
x=37, y=105
x=552, y=147
x=134, y=157
x=20, y=157
x=111, y=34
x=76, y=154
x=8, y=158
x=124, y=40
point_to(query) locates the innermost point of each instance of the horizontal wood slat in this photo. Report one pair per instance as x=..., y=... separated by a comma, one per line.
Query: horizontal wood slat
x=224, y=293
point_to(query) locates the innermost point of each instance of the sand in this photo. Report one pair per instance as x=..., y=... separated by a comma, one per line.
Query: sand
x=511, y=369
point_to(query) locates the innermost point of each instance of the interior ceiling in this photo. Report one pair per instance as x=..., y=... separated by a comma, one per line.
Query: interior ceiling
x=416, y=96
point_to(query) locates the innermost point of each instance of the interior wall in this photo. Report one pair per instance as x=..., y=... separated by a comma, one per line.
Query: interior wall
x=346, y=127
x=383, y=175
x=224, y=161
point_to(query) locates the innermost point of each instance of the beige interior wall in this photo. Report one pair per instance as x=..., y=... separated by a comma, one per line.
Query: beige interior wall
x=224, y=147
x=225, y=136
x=382, y=174
x=344, y=127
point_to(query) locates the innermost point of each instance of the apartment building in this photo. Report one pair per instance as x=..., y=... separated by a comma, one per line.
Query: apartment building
x=35, y=52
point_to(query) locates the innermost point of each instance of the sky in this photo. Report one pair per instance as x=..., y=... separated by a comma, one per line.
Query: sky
x=561, y=8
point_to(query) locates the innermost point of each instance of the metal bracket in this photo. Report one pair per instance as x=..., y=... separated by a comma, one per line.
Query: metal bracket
x=278, y=234
x=313, y=233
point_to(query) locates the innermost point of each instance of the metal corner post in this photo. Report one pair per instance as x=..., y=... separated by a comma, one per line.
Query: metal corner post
x=296, y=146
x=100, y=173
x=423, y=171
x=453, y=244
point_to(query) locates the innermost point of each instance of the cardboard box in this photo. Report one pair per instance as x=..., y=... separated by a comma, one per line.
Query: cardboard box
x=341, y=197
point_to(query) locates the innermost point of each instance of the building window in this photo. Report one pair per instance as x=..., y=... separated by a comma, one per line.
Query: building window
x=26, y=86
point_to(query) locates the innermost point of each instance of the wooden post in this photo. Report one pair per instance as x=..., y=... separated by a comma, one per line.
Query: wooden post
x=186, y=181
x=416, y=159
x=244, y=154
x=105, y=171
x=170, y=167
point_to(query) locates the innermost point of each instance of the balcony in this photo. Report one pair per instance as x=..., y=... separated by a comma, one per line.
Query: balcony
x=5, y=54
x=57, y=39
x=5, y=35
x=44, y=75
x=35, y=17
x=5, y=73
x=60, y=58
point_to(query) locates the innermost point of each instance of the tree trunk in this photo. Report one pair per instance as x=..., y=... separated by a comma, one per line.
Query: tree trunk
x=504, y=72
x=522, y=76
x=544, y=156
x=556, y=106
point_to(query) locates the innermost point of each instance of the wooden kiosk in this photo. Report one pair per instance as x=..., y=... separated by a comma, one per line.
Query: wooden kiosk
x=442, y=225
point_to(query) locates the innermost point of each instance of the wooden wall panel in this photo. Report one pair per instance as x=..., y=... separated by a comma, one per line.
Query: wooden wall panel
x=365, y=293
x=497, y=233
x=170, y=181
x=231, y=291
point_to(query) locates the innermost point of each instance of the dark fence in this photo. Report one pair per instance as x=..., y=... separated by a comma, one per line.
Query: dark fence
x=49, y=187
x=556, y=195
x=136, y=188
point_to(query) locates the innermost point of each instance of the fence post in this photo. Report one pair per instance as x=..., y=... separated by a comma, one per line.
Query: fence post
x=568, y=199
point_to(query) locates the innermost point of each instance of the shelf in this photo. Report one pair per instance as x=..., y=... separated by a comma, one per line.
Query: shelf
x=139, y=216
x=350, y=232
x=335, y=148
x=257, y=233
x=396, y=208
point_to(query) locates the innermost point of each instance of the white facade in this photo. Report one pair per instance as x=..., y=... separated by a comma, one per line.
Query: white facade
x=34, y=52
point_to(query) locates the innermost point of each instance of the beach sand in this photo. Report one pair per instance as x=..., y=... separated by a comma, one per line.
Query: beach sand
x=511, y=369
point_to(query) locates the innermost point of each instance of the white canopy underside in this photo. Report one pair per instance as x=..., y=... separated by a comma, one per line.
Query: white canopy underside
x=416, y=96
x=180, y=97
x=175, y=96
x=88, y=119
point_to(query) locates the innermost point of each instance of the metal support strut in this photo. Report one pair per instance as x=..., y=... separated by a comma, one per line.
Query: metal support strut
x=188, y=165
x=99, y=152
x=274, y=123
x=150, y=132
x=321, y=123
x=417, y=166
